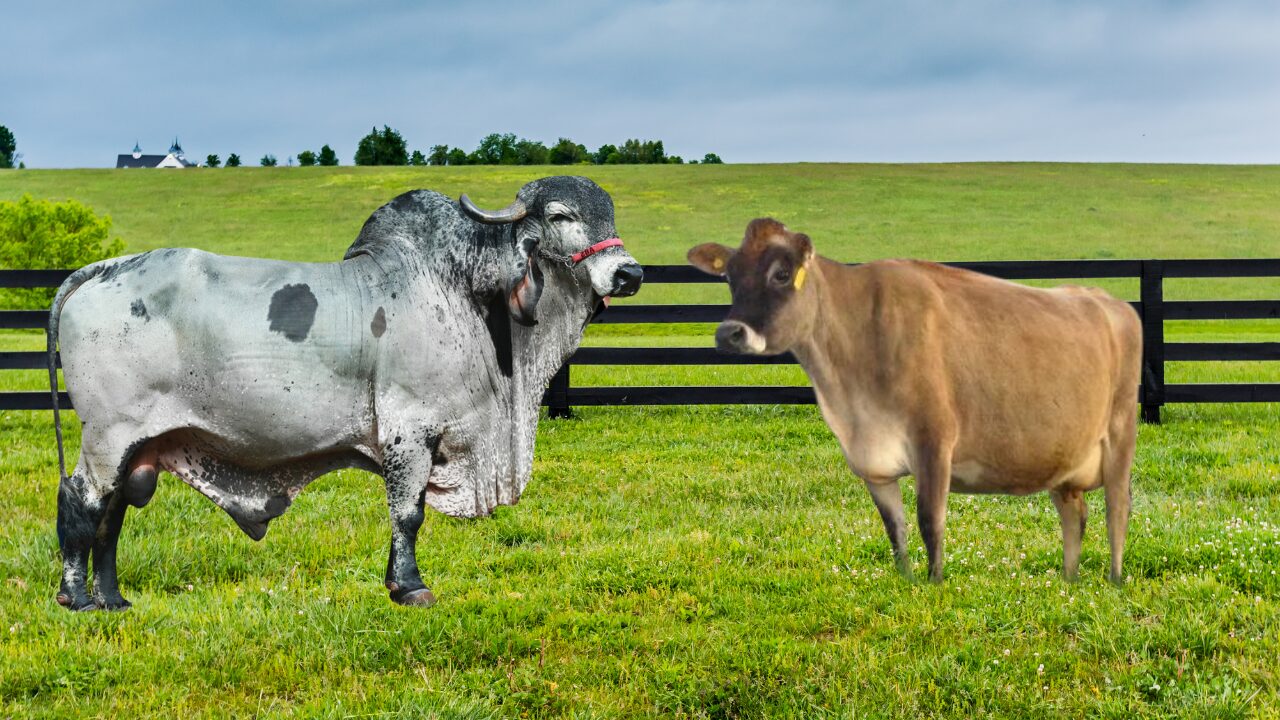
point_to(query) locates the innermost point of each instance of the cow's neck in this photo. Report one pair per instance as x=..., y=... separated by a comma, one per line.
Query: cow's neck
x=834, y=344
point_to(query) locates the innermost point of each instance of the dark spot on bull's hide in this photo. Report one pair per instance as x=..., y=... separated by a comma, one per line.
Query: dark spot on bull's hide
x=499, y=324
x=110, y=272
x=379, y=324
x=397, y=442
x=440, y=314
x=293, y=311
x=139, y=309
x=393, y=296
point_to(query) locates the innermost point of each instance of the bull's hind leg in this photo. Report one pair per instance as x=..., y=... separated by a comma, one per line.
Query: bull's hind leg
x=80, y=514
x=406, y=472
x=91, y=509
x=106, y=588
x=1073, y=513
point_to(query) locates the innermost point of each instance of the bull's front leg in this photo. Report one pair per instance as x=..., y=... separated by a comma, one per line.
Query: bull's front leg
x=406, y=470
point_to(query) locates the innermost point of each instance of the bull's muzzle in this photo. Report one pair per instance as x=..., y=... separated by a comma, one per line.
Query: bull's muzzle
x=626, y=280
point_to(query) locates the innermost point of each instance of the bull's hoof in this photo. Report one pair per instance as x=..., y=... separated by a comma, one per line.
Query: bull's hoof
x=1117, y=580
x=80, y=604
x=115, y=603
x=421, y=597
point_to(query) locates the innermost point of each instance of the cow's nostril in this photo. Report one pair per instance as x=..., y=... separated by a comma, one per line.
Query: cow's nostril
x=627, y=279
x=730, y=335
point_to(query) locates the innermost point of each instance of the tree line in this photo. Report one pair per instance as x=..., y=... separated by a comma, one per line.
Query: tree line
x=388, y=147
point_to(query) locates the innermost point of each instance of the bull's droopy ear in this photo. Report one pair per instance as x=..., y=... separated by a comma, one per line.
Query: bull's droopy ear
x=522, y=298
x=710, y=258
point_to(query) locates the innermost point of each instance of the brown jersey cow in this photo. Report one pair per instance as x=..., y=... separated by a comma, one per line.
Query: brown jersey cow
x=967, y=382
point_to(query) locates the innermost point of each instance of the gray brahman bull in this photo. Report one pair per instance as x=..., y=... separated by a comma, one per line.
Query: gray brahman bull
x=967, y=382
x=418, y=357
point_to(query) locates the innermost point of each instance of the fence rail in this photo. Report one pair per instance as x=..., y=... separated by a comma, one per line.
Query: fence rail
x=561, y=396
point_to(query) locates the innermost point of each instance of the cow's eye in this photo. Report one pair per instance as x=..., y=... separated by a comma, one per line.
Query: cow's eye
x=780, y=277
x=559, y=218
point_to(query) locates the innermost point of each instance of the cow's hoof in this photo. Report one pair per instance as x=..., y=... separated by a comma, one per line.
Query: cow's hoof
x=76, y=604
x=421, y=597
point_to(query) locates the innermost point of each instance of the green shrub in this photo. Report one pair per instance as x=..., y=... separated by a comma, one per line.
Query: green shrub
x=44, y=234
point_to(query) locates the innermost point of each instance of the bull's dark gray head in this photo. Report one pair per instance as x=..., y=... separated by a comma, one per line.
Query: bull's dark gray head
x=557, y=218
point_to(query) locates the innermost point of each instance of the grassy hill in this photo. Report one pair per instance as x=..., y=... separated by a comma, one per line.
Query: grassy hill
x=685, y=562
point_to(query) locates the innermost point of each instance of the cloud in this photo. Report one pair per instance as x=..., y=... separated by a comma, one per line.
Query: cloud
x=752, y=81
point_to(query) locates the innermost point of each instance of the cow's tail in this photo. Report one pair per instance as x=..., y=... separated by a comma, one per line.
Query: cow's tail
x=70, y=285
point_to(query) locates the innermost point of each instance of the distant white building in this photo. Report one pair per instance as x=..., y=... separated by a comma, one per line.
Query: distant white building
x=175, y=158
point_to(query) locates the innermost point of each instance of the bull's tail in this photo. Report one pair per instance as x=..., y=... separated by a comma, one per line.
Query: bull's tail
x=70, y=285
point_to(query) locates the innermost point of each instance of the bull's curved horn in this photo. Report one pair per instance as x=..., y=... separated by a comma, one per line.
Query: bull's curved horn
x=511, y=213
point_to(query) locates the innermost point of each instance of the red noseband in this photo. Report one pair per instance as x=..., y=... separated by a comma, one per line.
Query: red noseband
x=602, y=245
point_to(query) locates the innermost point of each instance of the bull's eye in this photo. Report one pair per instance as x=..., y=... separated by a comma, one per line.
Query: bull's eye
x=559, y=218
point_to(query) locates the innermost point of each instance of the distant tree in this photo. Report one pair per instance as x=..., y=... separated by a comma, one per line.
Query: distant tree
x=306, y=158
x=675, y=160
x=458, y=156
x=212, y=160
x=268, y=160
x=712, y=159
x=8, y=148
x=602, y=155
x=417, y=158
x=693, y=161
x=495, y=149
x=530, y=152
x=233, y=160
x=327, y=157
x=567, y=152
x=289, y=161
x=382, y=148
x=439, y=155
x=44, y=234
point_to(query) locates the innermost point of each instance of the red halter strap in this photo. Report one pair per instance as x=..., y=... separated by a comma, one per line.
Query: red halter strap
x=602, y=245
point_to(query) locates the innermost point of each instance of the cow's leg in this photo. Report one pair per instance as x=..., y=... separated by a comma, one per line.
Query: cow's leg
x=933, y=483
x=406, y=473
x=1117, y=466
x=887, y=495
x=80, y=515
x=1073, y=513
x=106, y=590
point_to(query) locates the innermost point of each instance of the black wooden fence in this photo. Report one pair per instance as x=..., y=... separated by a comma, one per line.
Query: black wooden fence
x=561, y=396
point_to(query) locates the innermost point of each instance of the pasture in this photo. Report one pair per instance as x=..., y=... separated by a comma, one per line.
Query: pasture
x=686, y=562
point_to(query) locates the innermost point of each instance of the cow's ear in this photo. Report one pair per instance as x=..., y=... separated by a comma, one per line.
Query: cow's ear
x=711, y=258
x=524, y=293
x=804, y=246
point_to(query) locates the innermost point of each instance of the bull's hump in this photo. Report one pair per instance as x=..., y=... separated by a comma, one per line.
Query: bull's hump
x=293, y=311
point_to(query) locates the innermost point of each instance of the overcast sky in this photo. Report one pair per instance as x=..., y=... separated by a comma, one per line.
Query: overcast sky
x=897, y=80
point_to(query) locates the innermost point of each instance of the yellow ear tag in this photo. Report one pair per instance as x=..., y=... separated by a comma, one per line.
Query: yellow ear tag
x=799, y=281
x=717, y=263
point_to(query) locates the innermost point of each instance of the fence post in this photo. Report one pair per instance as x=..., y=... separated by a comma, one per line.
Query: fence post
x=1152, y=296
x=558, y=405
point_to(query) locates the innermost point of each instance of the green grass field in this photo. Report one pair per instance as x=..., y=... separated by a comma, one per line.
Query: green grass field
x=686, y=562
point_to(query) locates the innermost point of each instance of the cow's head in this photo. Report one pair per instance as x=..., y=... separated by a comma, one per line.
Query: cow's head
x=567, y=221
x=769, y=278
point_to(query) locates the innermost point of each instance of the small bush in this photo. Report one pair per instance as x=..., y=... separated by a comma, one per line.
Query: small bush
x=44, y=234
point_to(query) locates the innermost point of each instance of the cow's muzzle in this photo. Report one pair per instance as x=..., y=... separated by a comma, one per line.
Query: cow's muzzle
x=626, y=280
x=734, y=336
